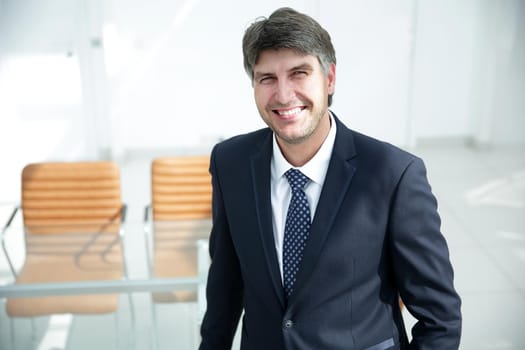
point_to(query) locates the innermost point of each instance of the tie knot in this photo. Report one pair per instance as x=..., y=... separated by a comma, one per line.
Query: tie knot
x=296, y=179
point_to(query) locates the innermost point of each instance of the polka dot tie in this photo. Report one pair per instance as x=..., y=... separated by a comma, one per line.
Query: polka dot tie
x=296, y=229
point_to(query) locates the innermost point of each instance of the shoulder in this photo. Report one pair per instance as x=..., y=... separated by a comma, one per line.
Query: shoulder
x=354, y=143
x=242, y=147
x=368, y=146
x=251, y=139
x=372, y=156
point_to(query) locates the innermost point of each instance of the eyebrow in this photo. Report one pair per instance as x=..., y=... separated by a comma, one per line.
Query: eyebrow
x=303, y=66
x=257, y=75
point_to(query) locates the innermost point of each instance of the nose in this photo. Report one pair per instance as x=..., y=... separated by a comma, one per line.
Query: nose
x=284, y=91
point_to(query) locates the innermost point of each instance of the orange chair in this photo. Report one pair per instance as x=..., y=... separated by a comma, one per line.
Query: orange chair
x=72, y=217
x=179, y=224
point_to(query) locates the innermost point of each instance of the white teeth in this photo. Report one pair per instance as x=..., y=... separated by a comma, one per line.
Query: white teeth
x=289, y=112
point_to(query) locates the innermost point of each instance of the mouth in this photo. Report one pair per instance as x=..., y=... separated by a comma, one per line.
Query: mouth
x=288, y=113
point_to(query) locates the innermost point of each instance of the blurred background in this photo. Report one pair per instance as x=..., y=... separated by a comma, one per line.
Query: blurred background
x=99, y=79
x=128, y=80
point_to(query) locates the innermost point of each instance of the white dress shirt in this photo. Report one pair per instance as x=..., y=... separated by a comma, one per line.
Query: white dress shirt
x=281, y=192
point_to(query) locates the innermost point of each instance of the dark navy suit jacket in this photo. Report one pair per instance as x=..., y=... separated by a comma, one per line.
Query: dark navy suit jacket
x=375, y=236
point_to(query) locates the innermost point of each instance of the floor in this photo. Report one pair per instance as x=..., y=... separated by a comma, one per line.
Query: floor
x=481, y=194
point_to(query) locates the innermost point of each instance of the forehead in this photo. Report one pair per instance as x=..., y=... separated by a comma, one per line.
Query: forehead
x=270, y=60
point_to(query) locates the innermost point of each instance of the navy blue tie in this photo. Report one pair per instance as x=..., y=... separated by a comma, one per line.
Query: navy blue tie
x=296, y=229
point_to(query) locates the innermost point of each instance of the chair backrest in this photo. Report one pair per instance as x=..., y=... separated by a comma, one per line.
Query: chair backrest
x=181, y=194
x=59, y=197
x=72, y=215
x=181, y=188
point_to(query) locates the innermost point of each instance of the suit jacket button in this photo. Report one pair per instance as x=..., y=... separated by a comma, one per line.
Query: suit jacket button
x=288, y=324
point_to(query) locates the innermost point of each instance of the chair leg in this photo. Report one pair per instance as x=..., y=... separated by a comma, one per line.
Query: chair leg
x=132, y=321
x=195, y=334
x=32, y=339
x=12, y=332
x=154, y=330
x=33, y=332
x=117, y=330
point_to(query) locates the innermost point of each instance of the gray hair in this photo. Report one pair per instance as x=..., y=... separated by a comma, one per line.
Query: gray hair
x=287, y=29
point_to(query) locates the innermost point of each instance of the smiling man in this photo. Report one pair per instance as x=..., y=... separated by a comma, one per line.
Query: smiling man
x=291, y=92
x=319, y=230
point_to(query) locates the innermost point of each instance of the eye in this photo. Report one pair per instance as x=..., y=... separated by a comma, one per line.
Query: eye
x=266, y=80
x=299, y=73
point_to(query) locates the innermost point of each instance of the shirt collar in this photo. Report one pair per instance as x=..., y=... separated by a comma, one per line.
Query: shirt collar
x=316, y=167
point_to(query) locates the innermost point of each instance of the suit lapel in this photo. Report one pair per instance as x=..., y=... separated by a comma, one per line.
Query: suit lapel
x=337, y=181
x=261, y=175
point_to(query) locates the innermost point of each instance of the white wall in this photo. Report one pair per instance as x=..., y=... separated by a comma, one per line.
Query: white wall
x=498, y=103
x=510, y=106
x=444, y=52
x=91, y=79
x=373, y=41
x=469, y=71
x=41, y=115
x=407, y=69
x=183, y=84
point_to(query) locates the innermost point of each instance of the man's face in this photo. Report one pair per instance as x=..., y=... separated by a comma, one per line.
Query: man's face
x=291, y=92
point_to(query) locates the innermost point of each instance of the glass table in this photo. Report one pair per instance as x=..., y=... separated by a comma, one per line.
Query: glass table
x=156, y=272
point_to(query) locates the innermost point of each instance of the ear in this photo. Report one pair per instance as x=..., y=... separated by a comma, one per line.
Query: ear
x=331, y=79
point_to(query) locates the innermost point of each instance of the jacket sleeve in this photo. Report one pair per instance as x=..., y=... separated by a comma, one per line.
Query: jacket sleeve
x=224, y=288
x=421, y=263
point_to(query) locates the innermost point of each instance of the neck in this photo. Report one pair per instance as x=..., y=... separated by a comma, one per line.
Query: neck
x=298, y=154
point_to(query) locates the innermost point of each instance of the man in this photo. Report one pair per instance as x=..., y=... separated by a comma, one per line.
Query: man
x=318, y=259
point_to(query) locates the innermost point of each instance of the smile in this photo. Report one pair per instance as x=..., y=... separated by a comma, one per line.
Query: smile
x=289, y=112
